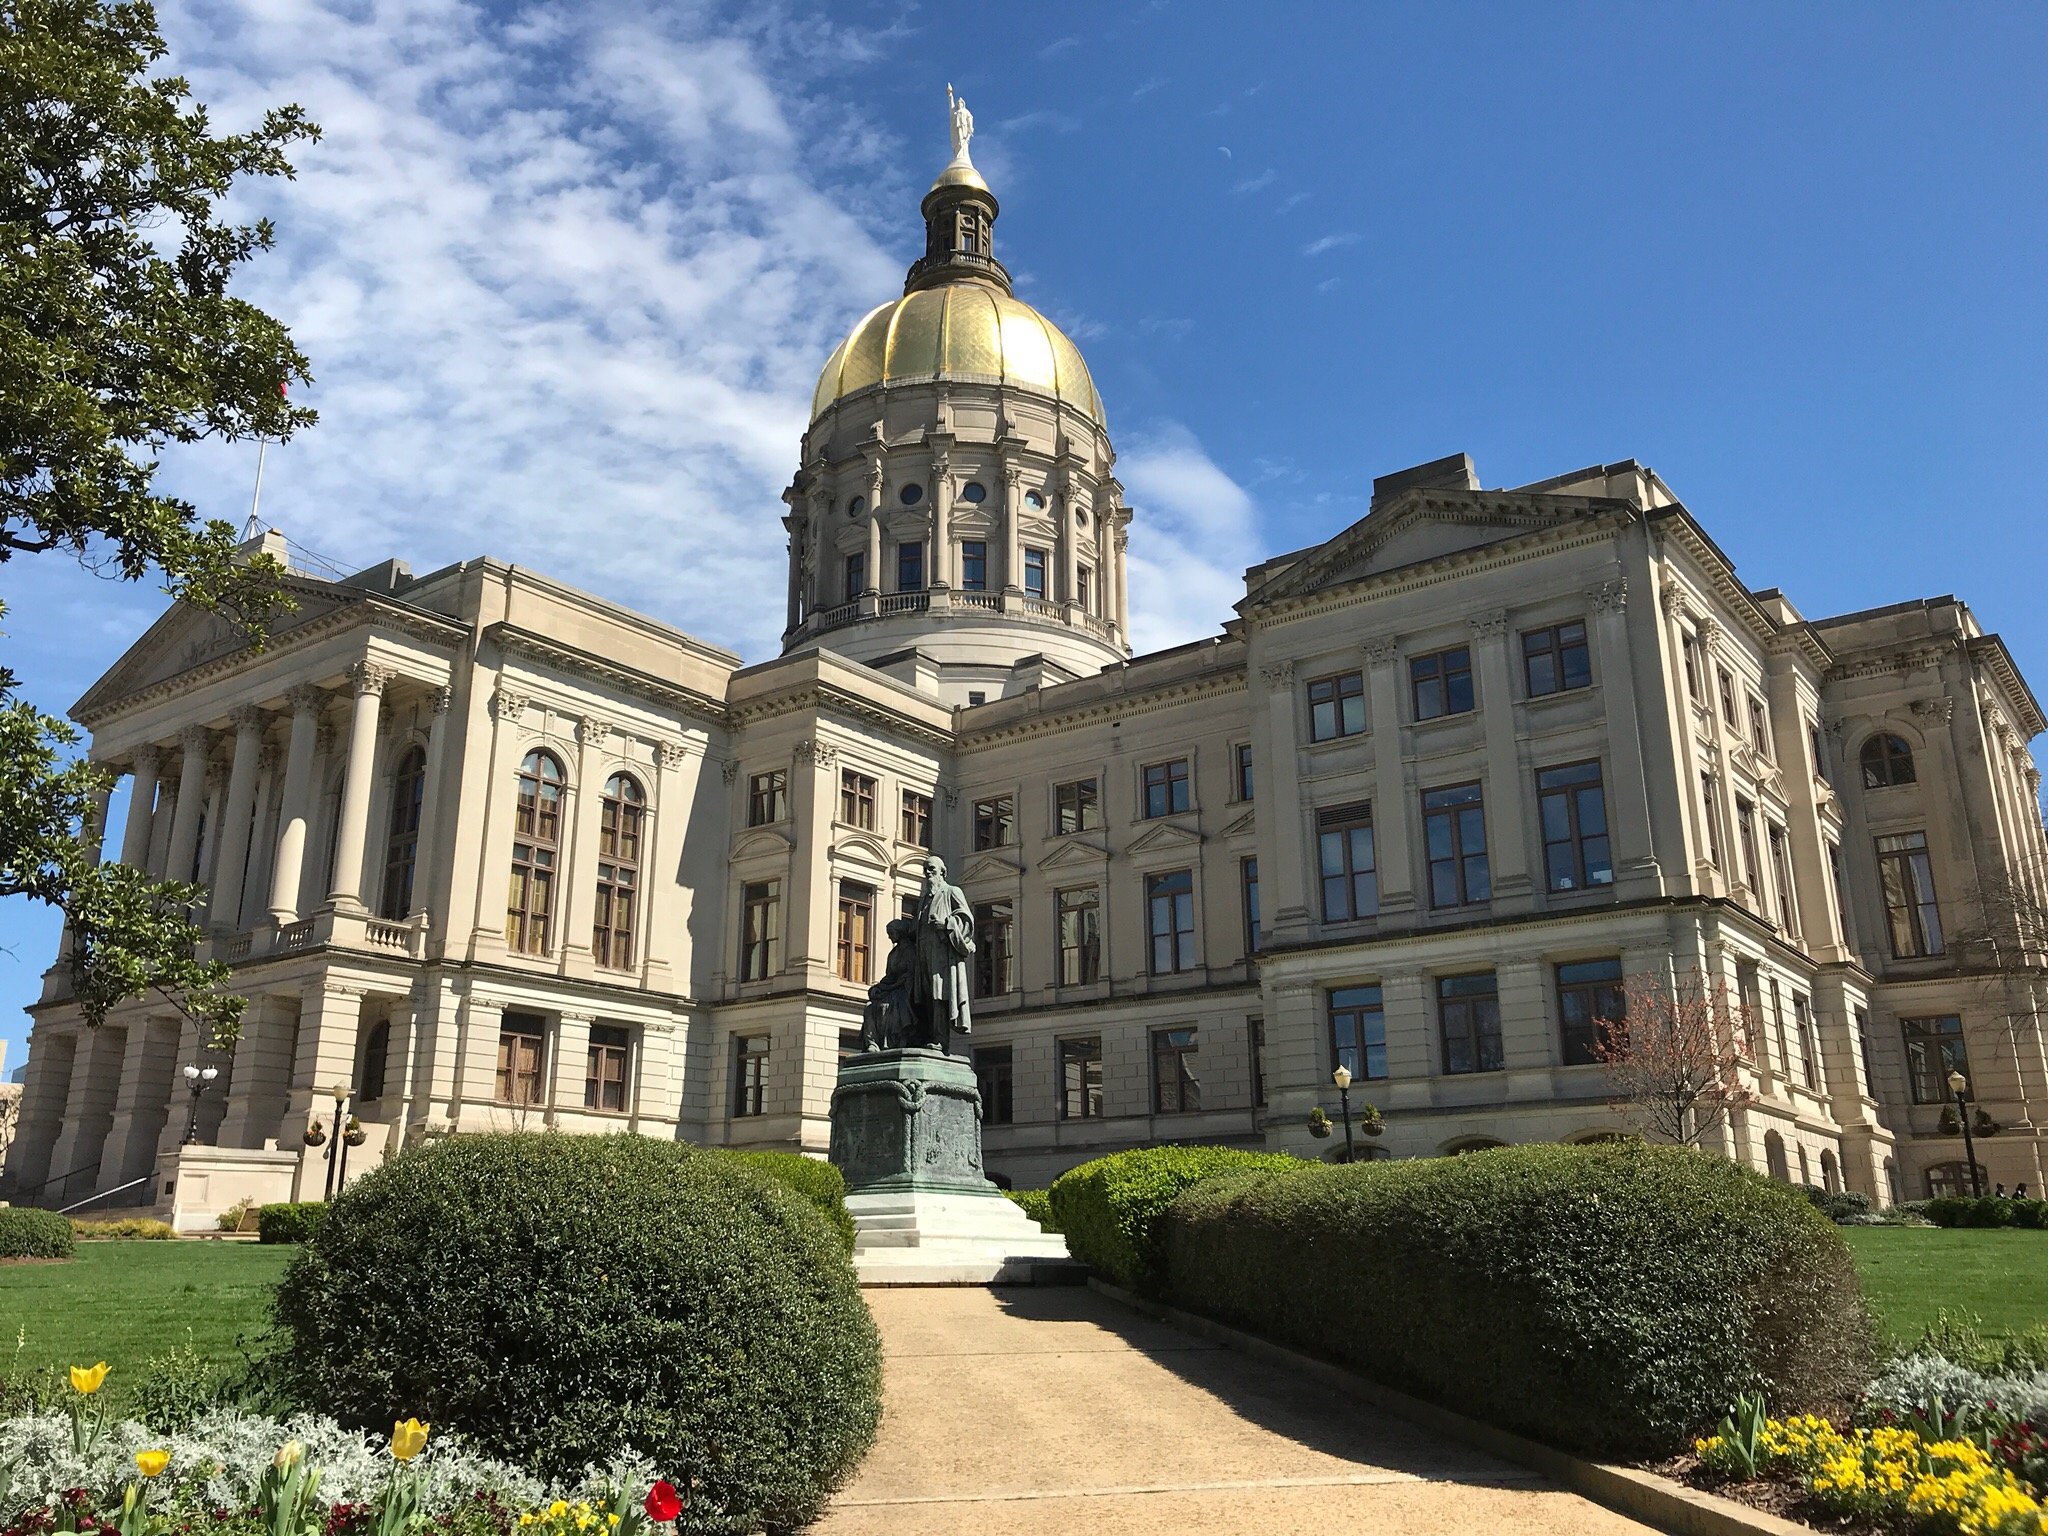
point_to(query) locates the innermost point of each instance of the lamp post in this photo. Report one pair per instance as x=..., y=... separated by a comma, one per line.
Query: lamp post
x=198, y=1079
x=1342, y=1078
x=1958, y=1085
x=334, y=1144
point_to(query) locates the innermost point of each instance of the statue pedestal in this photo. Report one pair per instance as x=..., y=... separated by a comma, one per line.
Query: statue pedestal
x=906, y=1133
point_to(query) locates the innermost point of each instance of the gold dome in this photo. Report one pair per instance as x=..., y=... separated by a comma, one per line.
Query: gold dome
x=962, y=331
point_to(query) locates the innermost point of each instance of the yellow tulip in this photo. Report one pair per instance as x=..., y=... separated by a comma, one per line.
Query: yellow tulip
x=289, y=1455
x=152, y=1463
x=85, y=1380
x=408, y=1439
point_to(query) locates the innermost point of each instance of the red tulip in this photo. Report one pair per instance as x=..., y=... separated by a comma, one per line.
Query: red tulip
x=662, y=1503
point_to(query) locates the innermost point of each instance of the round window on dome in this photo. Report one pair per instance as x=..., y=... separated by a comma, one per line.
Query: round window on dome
x=855, y=507
x=975, y=492
x=1034, y=501
x=911, y=494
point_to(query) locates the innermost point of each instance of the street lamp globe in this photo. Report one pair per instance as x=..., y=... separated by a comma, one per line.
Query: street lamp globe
x=207, y=1074
x=1957, y=1082
x=1341, y=1077
x=192, y=1074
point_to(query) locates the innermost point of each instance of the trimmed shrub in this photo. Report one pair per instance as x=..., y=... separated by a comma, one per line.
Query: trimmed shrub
x=1838, y=1205
x=562, y=1299
x=289, y=1221
x=1612, y=1299
x=1985, y=1211
x=1037, y=1205
x=816, y=1180
x=32, y=1234
x=1110, y=1209
x=133, y=1229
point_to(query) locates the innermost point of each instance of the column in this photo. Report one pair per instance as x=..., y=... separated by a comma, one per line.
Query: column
x=576, y=880
x=426, y=856
x=54, y=1061
x=874, y=533
x=942, y=524
x=324, y=1055
x=1059, y=581
x=88, y=1115
x=185, y=1051
x=1123, y=586
x=141, y=808
x=262, y=838
x=1507, y=827
x=1105, y=561
x=93, y=833
x=255, y=1092
x=209, y=825
x=1013, y=513
x=350, y=843
x=142, y=1105
x=1628, y=798
x=197, y=741
x=1283, y=887
x=1723, y=809
x=297, y=809
x=1680, y=708
x=232, y=863
x=571, y=1065
x=807, y=920
x=666, y=903
x=1392, y=795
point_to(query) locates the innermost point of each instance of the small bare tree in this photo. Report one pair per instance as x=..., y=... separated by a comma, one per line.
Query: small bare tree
x=1676, y=1056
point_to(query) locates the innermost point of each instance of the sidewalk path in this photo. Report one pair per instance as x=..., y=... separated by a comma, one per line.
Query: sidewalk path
x=1054, y=1410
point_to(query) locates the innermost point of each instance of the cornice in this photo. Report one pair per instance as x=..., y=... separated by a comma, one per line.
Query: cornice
x=830, y=698
x=1122, y=706
x=515, y=641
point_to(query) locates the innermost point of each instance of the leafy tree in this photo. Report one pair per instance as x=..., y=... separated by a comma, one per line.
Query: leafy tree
x=118, y=337
x=1676, y=1056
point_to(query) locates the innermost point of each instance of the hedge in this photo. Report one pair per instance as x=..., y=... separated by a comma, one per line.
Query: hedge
x=1985, y=1211
x=1837, y=1205
x=558, y=1300
x=816, y=1180
x=289, y=1221
x=33, y=1234
x=1037, y=1205
x=134, y=1229
x=1610, y=1299
x=1110, y=1209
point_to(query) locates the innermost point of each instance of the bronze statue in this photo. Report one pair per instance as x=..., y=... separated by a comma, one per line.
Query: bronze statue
x=923, y=996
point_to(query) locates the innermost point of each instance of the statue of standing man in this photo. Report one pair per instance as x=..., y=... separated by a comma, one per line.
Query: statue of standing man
x=940, y=986
x=963, y=124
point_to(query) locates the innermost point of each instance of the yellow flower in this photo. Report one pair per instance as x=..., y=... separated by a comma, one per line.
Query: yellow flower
x=288, y=1456
x=152, y=1463
x=408, y=1439
x=85, y=1380
x=558, y=1509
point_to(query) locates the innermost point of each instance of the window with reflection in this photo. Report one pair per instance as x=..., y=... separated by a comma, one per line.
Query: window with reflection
x=536, y=846
x=402, y=838
x=621, y=823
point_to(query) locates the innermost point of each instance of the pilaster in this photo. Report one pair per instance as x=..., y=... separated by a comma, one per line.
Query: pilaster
x=1393, y=794
x=1507, y=819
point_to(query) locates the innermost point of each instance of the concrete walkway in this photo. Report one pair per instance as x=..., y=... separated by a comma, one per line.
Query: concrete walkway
x=1055, y=1410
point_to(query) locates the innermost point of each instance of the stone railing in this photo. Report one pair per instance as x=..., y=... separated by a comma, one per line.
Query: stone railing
x=954, y=606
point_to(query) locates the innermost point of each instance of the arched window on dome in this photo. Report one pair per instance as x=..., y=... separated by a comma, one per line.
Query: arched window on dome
x=536, y=844
x=620, y=825
x=1887, y=761
x=402, y=836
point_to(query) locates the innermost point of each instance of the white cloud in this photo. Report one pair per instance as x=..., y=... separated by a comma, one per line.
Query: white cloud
x=1259, y=182
x=1193, y=532
x=1330, y=242
x=1058, y=46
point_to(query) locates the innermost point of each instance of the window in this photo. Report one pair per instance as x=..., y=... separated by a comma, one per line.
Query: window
x=1336, y=706
x=1255, y=1035
x=1344, y=849
x=621, y=821
x=856, y=930
x=976, y=696
x=973, y=565
x=1468, y=1013
x=536, y=832
x=911, y=494
x=1166, y=788
x=1809, y=1042
x=1076, y=807
x=856, y=799
x=1454, y=831
x=994, y=819
x=1745, y=834
x=974, y=493
x=1081, y=1078
x=1358, y=1031
x=1248, y=890
x=767, y=797
x=402, y=841
x=749, y=1075
x=1175, y=1088
x=1084, y=588
x=604, y=1077
x=1710, y=797
x=1170, y=920
x=1726, y=686
x=761, y=929
x=1840, y=894
x=1778, y=1027
x=1774, y=1157
x=856, y=576
x=1907, y=880
x=993, y=1077
x=1571, y=805
x=1830, y=1173
x=1952, y=1180
x=917, y=818
x=1887, y=761
x=521, y=1045
x=1867, y=1051
x=1760, y=727
x=1589, y=996
x=910, y=566
x=1078, y=917
x=1034, y=573
x=1818, y=748
x=1241, y=770
x=1441, y=684
x=1555, y=660
x=376, y=1055
x=992, y=948
x=1689, y=646
x=1781, y=876
x=1934, y=1048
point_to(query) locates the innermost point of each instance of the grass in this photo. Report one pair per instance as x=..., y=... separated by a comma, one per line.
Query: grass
x=1909, y=1274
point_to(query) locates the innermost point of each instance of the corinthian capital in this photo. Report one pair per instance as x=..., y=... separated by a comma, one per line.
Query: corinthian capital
x=1489, y=624
x=1609, y=596
x=305, y=699
x=368, y=677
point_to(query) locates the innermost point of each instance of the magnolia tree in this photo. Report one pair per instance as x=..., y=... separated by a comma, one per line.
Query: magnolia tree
x=1676, y=1056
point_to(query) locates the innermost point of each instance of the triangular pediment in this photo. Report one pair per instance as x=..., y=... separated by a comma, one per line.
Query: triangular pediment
x=993, y=866
x=1163, y=835
x=1244, y=826
x=1075, y=853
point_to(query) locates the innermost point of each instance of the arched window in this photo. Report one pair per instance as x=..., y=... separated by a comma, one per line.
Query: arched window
x=1953, y=1179
x=376, y=1049
x=536, y=838
x=1830, y=1174
x=618, y=871
x=402, y=839
x=1774, y=1157
x=1887, y=760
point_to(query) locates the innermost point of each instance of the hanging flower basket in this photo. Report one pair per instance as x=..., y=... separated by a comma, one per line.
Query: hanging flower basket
x=355, y=1135
x=1985, y=1125
x=1318, y=1123
x=1372, y=1122
x=1950, y=1125
x=316, y=1134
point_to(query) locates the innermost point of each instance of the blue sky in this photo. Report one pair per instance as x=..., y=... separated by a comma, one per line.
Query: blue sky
x=573, y=268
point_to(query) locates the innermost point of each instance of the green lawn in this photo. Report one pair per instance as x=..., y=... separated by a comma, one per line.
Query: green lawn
x=1910, y=1273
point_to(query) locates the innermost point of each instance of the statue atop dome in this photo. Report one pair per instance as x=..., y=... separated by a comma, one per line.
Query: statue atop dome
x=962, y=125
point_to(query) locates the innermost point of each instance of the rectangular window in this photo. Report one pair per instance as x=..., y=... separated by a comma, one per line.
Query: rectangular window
x=1241, y=771
x=1760, y=727
x=857, y=800
x=973, y=565
x=749, y=1075
x=1867, y=1050
x=1166, y=788
x=1781, y=876
x=1571, y=805
x=1749, y=989
x=1078, y=917
x=1689, y=645
x=604, y=1077
x=530, y=898
x=1840, y=894
x=993, y=925
x=1034, y=573
x=762, y=929
x=1745, y=834
x=1809, y=1042
x=1468, y=1013
x=1076, y=807
x=1348, y=864
x=1555, y=660
x=1818, y=748
x=917, y=818
x=1710, y=797
x=1906, y=877
x=1589, y=996
x=1255, y=1035
x=1454, y=831
x=1726, y=685
x=522, y=1045
x=1441, y=684
x=910, y=567
x=1248, y=888
x=1934, y=1048
x=1358, y=1032
x=1084, y=588
x=1081, y=1078
x=1336, y=706
x=1175, y=1088
x=1778, y=1026
x=767, y=797
x=1170, y=921
x=993, y=1077
x=856, y=931
x=994, y=820
x=856, y=576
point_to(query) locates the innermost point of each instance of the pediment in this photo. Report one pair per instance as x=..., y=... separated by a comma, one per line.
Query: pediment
x=1244, y=826
x=860, y=848
x=993, y=866
x=762, y=843
x=1162, y=835
x=1075, y=853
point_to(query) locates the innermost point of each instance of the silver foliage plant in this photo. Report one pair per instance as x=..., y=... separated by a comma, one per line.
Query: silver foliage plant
x=1909, y=1383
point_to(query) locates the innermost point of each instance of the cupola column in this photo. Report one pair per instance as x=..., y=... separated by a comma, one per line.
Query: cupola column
x=941, y=574
x=1013, y=512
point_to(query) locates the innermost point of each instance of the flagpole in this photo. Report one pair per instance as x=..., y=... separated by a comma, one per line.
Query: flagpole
x=256, y=500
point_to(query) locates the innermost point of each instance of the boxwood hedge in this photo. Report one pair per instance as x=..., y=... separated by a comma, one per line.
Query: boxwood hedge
x=1985, y=1211
x=1037, y=1205
x=558, y=1299
x=1110, y=1209
x=289, y=1221
x=1611, y=1299
x=33, y=1234
x=817, y=1181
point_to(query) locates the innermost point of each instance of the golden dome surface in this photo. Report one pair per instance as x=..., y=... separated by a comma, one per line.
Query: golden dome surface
x=959, y=330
